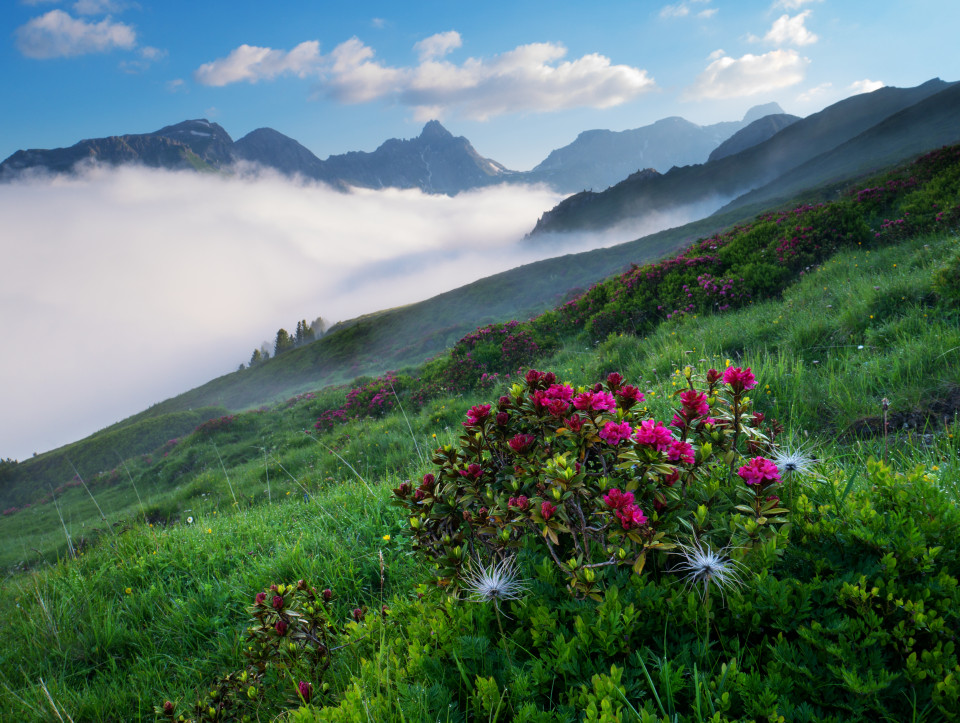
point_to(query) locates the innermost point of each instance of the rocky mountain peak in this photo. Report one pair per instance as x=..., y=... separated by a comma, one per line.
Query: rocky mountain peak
x=433, y=130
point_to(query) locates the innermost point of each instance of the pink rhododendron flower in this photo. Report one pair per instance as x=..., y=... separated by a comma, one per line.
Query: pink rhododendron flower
x=629, y=395
x=521, y=442
x=502, y=418
x=547, y=509
x=472, y=472
x=680, y=451
x=760, y=471
x=713, y=376
x=596, y=401
x=574, y=423
x=613, y=433
x=522, y=502
x=614, y=380
x=631, y=516
x=694, y=404
x=475, y=415
x=739, y=379
x=617, y=499
x=277, y=602
x=653, y=434
x=281, y=627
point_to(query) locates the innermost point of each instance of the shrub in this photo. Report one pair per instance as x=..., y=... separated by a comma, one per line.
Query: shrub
x=584, y=473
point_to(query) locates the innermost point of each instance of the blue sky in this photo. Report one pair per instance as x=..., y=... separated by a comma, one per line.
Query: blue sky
x=517, y=78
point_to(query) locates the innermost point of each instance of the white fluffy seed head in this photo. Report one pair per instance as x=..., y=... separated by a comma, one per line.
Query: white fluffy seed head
x=495, y=582
x=796, y=461
x=702, y=567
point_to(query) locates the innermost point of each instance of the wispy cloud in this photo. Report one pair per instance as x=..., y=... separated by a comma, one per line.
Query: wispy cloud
x=865, y=86
x=58, y=35
x=534, y=77
x=252, y=64
x=687, y=8
x=788, y=30
x=727, y=77
x=134, y=310
x=437, y=46
x=99, y=7
x=794, y=4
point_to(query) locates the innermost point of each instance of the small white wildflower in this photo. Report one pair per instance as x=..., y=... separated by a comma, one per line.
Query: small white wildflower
x=702, y=566
x=795, y=461
x=494, y=583
x=189, y=520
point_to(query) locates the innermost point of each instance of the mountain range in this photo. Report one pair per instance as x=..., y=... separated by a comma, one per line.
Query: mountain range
x=436, y=161
x=826, y=147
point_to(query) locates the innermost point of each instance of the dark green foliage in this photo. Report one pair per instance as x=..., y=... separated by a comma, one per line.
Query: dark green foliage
x=857, y=621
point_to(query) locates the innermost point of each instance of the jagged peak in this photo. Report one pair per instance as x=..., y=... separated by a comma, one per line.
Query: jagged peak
x=434, y=129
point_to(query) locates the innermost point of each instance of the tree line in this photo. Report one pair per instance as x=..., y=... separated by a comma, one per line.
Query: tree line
x=285, y=341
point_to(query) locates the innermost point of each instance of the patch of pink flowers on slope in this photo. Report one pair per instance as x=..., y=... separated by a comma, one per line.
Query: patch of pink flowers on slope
x=653, y=434
x=626, y=510
x=760, y=471
x=613, y=433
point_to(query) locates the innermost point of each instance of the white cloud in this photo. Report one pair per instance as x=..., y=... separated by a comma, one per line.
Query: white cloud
x=99, y=7
x=674, y=11
x=437, y=46
x=684, y=9
x=379, y=23
x=865, y=86
x=728, y=77
x=100, y=262
x=175, y=85
x=788, y=30
x=816, y=93
x=148, y=56
x=58, y=35
x=794, y=4
x=530, y=77
x=251, y=64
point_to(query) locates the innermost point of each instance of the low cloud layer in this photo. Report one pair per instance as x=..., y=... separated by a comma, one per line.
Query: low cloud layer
x=534, y=77
x=125, y=287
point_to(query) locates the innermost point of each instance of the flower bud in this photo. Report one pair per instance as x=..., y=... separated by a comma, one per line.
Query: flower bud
x=305, y=690
x=327, y=595
x=277, y=602
x=357, y=614
x=281, y=627
x=168, y=707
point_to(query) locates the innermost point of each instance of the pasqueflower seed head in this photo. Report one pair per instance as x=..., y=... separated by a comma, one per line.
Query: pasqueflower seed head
x=494, y=582
x=792, y=462
x=702, y=567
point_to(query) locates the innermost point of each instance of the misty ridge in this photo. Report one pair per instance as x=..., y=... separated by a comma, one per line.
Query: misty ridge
x=176, y=275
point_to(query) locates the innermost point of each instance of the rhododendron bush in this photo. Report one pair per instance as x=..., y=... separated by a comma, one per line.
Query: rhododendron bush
x=587, y=474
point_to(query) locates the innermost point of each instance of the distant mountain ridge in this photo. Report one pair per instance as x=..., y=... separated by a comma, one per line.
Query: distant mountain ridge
x=724, y=179
x=435, y=161
x=598, y=159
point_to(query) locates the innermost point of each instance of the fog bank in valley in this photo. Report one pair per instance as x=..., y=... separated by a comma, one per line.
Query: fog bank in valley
x=123, y=287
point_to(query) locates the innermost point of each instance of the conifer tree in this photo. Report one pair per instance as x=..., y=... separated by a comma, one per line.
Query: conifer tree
x=284, y=342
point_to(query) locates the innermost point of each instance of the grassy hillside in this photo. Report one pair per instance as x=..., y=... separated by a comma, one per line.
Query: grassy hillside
x=141, y=583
